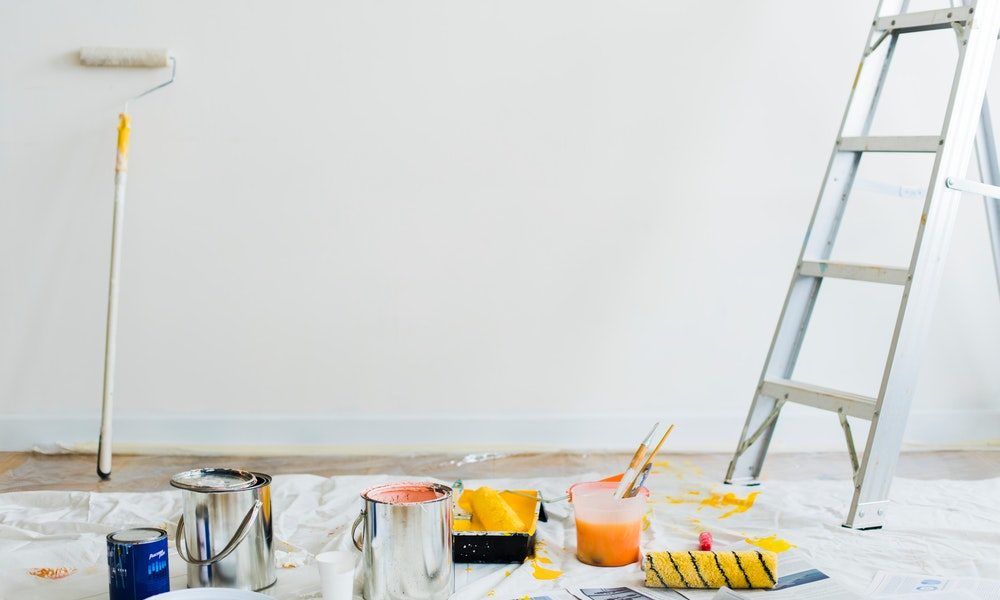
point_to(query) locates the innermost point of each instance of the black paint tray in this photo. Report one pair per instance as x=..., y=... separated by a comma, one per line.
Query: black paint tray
x=501, y=546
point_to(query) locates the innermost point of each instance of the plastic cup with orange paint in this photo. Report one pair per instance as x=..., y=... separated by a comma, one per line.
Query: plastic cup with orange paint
x=607, y=529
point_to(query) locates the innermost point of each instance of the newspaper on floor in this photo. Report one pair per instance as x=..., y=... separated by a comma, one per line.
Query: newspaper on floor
x=553, y=595
x=798, y=579
x=897, y=586
x=941, y=595
x=634, y=593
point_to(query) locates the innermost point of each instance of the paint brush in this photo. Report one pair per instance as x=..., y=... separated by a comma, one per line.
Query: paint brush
x=642, y=480
x=633, y=466
x=649, y=459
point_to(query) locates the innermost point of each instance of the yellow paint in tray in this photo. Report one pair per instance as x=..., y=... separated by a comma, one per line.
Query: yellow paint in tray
x=524, y=508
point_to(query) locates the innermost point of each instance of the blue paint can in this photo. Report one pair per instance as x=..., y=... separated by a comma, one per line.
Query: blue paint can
x=137, y=563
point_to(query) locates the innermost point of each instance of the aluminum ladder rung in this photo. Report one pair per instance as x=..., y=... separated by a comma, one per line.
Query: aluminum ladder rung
x=855, y=271
x=852, y=405
x=925, y=20
x=890, y=143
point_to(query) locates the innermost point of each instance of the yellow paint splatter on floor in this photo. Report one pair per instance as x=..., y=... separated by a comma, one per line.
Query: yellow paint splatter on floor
x=729, y=500
x=739, y=505
x=491, y=593
x=544, y=560
x=506, y=573
x=541, y=572
x=468, y=569
x=771, y=543
x=645, y=520
x=694, y=493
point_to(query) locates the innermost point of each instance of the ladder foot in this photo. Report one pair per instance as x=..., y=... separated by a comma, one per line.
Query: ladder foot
x=872, y=528
x=868, y=515
x=742, y=482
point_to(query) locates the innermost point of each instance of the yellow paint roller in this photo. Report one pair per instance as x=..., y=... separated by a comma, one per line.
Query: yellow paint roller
x=119, y=57
x=493, y=513
x=707, y=569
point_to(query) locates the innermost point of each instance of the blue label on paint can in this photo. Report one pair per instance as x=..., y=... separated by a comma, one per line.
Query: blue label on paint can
x=137, y=564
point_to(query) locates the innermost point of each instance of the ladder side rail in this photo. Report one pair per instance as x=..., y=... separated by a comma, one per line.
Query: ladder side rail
x=989, y=173
x=885, y=437
x=868, y=83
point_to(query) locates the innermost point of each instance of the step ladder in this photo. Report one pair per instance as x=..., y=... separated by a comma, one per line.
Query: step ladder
x=966, y=126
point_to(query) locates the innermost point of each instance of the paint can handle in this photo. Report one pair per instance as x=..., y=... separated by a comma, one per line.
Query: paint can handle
x=354, y=531
x=239, y=536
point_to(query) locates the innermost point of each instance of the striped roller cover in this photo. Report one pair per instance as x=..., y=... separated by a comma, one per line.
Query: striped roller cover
x=700, y=569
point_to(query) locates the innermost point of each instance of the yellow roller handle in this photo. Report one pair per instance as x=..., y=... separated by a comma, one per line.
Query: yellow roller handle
x=121, y=159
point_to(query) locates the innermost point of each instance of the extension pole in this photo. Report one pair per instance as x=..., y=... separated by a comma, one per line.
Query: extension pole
x=111, y=330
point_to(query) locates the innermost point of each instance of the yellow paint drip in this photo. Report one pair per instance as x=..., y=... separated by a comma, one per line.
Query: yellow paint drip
x=771, y=543
x=506, y=573
x=645, y=520
x=124, y=129
x=491, y=593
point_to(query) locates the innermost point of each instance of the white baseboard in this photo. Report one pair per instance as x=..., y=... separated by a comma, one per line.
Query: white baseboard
x=798, y=431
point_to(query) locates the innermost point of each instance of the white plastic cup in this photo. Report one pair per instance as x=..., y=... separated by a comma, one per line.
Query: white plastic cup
x=608, y=529
x=336, y=574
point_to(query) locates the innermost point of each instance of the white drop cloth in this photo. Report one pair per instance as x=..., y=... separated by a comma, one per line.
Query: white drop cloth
x=948, y=528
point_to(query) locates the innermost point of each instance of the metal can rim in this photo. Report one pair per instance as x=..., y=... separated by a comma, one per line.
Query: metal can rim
x=446, y=492
x=161, y=534
x=258, y=481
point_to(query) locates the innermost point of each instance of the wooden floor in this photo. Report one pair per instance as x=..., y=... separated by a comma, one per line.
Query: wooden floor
x=22, y=471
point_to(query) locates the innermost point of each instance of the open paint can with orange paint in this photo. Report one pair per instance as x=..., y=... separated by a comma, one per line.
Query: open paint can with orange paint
x=607, y=528
x=404, y=534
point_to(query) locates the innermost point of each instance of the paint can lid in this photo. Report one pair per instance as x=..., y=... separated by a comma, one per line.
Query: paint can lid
x=214, y=480
x=137, y=535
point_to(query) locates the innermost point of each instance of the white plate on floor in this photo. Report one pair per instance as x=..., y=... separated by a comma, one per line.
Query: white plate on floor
x=210, y=594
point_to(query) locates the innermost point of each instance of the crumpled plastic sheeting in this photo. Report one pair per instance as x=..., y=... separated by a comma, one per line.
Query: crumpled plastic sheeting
x=949, y=528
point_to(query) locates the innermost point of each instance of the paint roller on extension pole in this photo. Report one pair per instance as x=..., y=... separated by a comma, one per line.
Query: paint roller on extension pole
x=119, y=57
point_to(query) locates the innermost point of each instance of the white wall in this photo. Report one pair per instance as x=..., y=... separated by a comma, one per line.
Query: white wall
x=351, y=213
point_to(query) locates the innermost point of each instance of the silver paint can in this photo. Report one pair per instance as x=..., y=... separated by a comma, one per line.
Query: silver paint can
x=224, y=533
x=406, y=542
